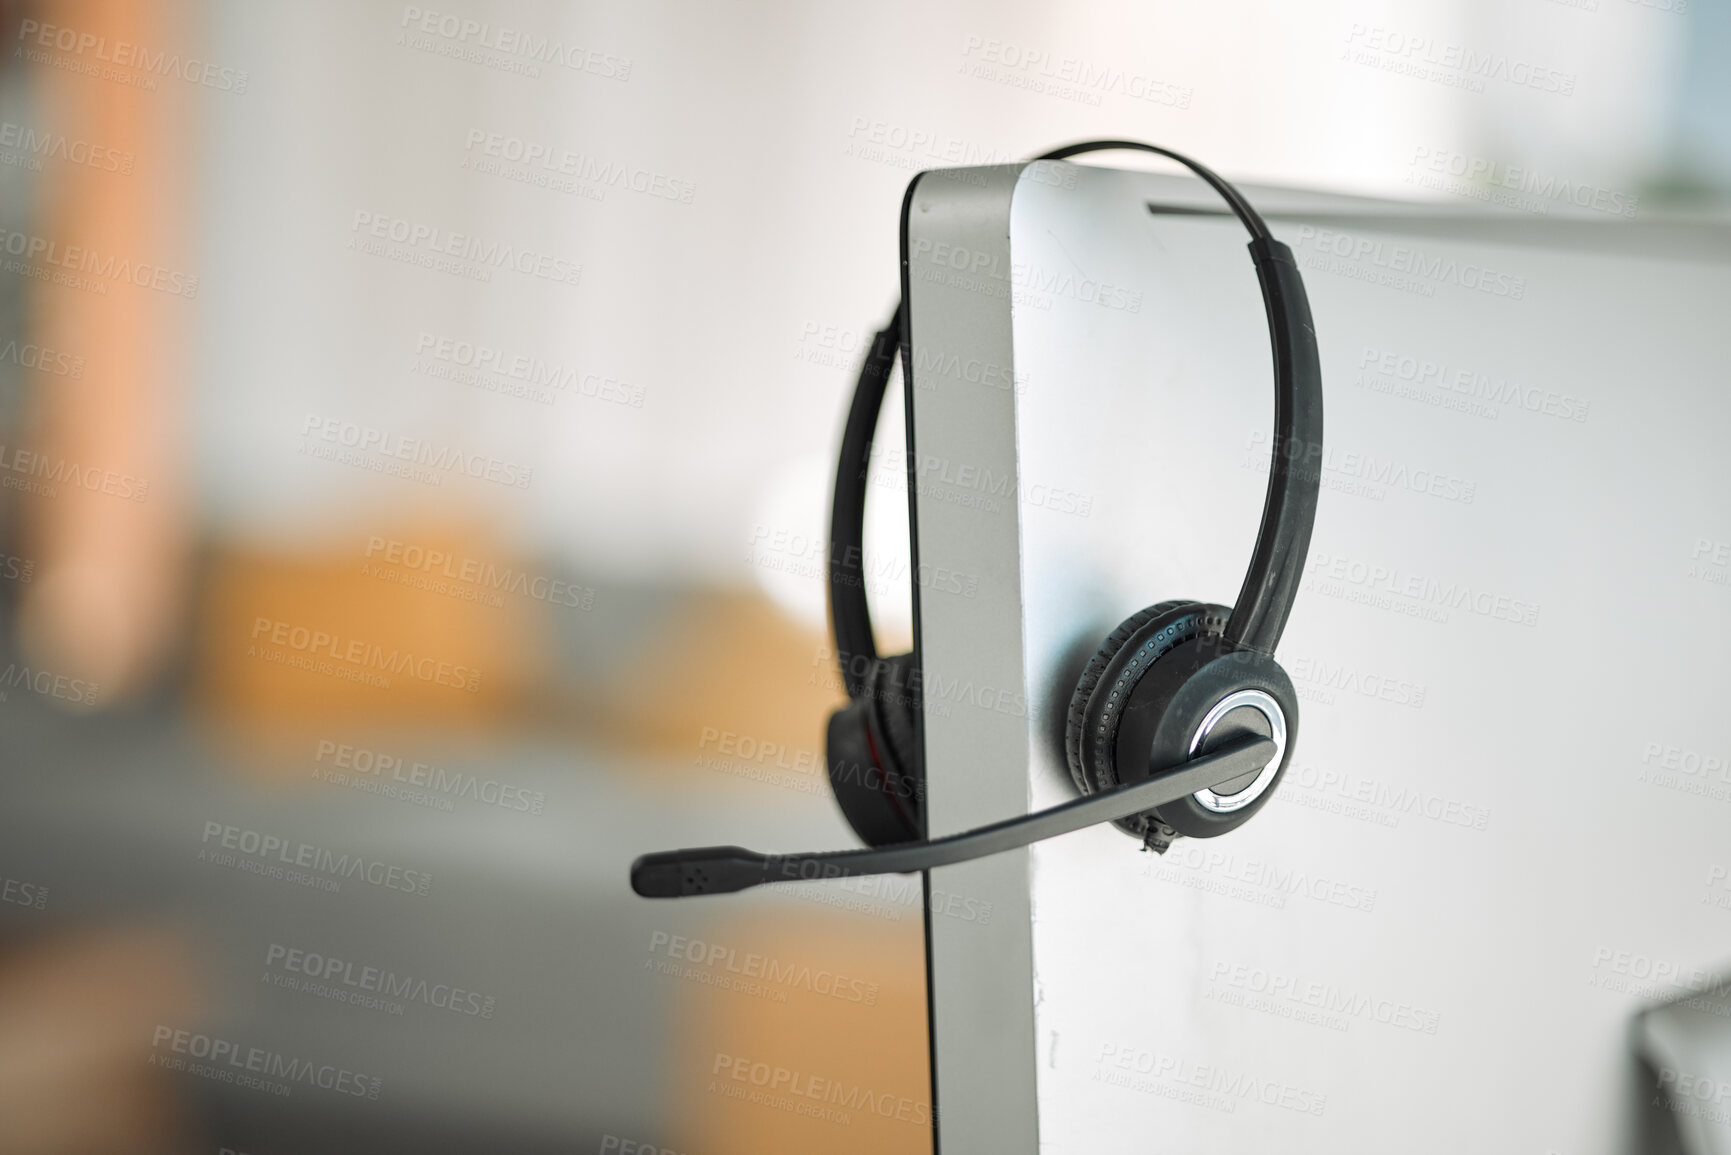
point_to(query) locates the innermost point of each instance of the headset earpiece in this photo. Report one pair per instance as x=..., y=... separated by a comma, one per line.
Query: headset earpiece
x=873, y=751
x=1150, y=690
x=1199, y=695
x=1145, y=693
x=1106, y=685
x=1183, y=701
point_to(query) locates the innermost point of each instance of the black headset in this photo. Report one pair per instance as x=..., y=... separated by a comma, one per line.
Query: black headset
x=1181, y=724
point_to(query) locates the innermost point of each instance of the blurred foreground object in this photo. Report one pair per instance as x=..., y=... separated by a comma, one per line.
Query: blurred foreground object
x=1685, y=1046
x=110, y=546
x=76, y=1015
x=831, y=1053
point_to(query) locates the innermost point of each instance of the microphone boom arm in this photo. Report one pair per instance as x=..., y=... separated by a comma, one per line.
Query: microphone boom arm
x=724, y=869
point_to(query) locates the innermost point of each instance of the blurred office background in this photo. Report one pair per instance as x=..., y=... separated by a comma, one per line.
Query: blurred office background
x=326, y=326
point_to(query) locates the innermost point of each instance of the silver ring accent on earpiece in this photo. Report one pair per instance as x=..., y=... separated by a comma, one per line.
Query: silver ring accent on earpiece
x=1270, y=709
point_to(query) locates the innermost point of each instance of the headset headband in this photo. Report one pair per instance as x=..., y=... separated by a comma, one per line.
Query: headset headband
x=1288, y=511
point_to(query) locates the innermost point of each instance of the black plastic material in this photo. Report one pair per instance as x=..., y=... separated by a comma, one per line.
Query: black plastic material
x=1081, y=731
x=872, y=752
x=1108, y=688
x=1234, y=199
x=1169, y=704
x=872, y=746
x=721, y=869
x=850, y=614
x=1294, y=478
x=1295, y=469
x=885, y=734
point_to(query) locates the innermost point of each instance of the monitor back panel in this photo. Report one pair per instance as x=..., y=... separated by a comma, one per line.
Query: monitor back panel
x=1503, y=829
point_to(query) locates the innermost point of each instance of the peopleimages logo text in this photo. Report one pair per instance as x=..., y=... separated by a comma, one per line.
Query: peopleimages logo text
x=1419, y=588
x=304, y=855
x=475, y=572
x=81, y=260
x=584, y=167
x=1544, y=189
x=361, y=761
x=124, y=54
x=47, y=472
x=434, y=241
x=42, y=359
x=329, y=969
x=226, y=1059
x=356, y=652
x=528, y=46
x=58, y=146
x=1408, y=266
x=352, y=435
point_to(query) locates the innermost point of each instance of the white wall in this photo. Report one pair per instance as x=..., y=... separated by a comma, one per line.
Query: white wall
x=775, y=114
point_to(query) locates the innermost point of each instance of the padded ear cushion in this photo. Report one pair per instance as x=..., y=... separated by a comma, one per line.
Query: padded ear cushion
x=855, y=778
x=872, y=751
x=898, y=713
x=1075, y=725
x=1091, y=731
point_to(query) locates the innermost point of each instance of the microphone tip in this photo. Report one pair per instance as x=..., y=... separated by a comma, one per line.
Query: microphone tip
x=657, y=876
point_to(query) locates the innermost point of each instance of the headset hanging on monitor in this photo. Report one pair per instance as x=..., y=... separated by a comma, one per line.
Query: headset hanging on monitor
x=1181, y=724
